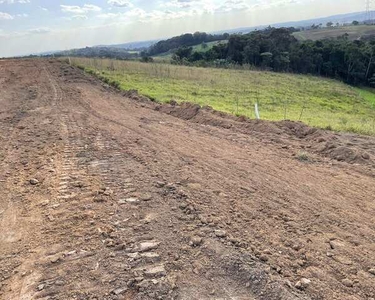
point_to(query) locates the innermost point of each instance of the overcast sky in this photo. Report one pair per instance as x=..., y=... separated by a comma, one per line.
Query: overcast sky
x=30, y=26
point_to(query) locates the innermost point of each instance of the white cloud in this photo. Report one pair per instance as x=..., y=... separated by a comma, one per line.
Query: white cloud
x=5, y=16
x=195, y=7
x=22, y=15
x=14, y=1
x=231, y=5
x=42, y=8
x=40, y=30
x=120, y=3
x=181, y=3
x=79, y=17
x=33, y=31
x=79, y=10
x=265, y=4
x=140, y=15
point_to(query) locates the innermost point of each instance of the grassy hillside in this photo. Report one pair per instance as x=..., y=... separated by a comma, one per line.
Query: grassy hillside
x=198, y=48
x=318, y=102
x=355, y=32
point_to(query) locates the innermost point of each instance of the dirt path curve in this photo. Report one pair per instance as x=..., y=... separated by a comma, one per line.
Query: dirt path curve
x=104, y=197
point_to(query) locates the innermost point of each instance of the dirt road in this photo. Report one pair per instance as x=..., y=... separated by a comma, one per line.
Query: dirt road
x=106, y=196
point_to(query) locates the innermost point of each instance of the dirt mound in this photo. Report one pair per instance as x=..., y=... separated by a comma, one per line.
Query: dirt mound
x=327, y=143
x=208, y=116
x=298, y=129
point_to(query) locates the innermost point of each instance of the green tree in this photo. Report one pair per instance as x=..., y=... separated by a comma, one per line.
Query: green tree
x=184, y=52
x=355, y=23
x=266, y=59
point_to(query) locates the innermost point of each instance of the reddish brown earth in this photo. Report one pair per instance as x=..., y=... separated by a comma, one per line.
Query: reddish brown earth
x=110, y=196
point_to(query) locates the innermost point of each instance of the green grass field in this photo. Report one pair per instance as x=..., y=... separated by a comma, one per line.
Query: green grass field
x=316, y=101
x=354, y=32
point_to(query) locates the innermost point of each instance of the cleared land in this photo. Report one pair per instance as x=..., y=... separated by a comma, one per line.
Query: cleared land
x=323, y=103
x=354, y=32
x=106, y=196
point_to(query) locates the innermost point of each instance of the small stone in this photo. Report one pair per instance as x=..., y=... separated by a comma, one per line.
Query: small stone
x=145, y=197
x=372, y=271
x=347, y=282
x=133, y=255
x=220, y=233
x=160, y=184
x=303, y=284
x=365, y=156
x=150, y=256
x=335, y=244
x=34, y=181
x=196, y=241
x=119, y=291
x=263, y=257
x=78, y=184
x=296, y=247
x=157, y=271
x=131, y=200
x=147, y=246
x=55, y=259
x=108, y=192
x=234, y=240
x=45, y=203
x=59, y=282
x=40, y=287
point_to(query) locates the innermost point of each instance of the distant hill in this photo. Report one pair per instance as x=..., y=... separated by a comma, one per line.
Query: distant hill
x=103, y=52
x=143, y=45
x=354, y=33
x=203, y=47
x=185, y=40
x=341, y=19
x=135, y=46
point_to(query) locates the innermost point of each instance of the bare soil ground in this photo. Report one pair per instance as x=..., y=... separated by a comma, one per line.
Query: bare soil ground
x=107, y=195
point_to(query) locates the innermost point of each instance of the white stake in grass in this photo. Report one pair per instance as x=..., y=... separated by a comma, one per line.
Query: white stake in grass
x=257, y=111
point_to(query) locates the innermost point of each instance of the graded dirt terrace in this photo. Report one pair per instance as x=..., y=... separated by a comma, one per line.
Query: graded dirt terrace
x=106, y=195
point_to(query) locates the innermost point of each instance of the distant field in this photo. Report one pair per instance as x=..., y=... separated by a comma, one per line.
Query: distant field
x=355, y=32
x=318, y=102
x=198, y=48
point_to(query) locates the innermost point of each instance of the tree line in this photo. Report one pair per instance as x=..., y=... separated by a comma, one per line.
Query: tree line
x=103, y=52
x=278, y=50
x=185, y=40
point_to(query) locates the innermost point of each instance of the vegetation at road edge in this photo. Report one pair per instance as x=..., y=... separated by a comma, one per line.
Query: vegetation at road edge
x=319, y=102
